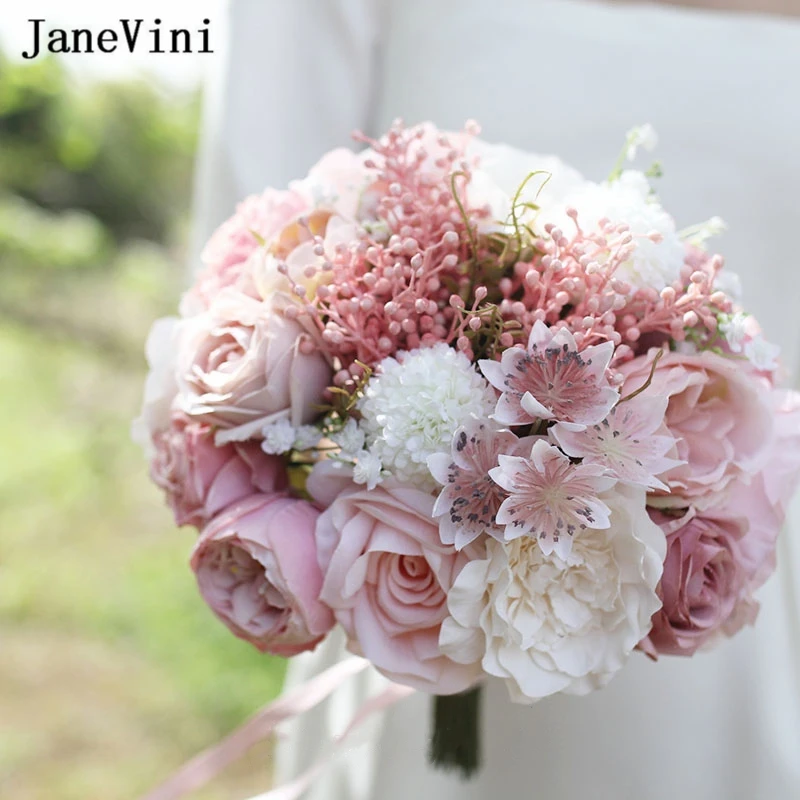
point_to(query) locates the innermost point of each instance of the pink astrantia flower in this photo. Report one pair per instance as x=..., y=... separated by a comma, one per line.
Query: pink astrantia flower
x=552, y=380
x=631, y=442
x=468, y=504
x=550, y=497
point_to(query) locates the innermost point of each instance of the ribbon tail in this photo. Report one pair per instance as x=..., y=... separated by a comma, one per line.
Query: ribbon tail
x=295, y=788
x=210, y=762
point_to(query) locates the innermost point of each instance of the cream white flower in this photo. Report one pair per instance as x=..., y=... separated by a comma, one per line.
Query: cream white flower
x=546, y=624
x=412, y=406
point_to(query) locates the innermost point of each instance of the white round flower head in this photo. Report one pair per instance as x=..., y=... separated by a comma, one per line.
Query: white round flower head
x=413, y=405
x=629, y=200
x=546, y=624
x=279, y=437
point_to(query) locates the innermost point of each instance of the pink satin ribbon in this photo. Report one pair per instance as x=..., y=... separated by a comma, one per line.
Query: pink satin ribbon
x=204, y=766
x=380, y=702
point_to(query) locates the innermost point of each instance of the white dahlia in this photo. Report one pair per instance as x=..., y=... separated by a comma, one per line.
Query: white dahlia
x=546, y=624
x=413, y=405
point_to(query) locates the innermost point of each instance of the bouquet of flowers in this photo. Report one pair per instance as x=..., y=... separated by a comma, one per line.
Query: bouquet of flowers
x=494, y=419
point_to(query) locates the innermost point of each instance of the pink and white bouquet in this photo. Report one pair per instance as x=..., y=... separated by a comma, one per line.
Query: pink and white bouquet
x=494, y=419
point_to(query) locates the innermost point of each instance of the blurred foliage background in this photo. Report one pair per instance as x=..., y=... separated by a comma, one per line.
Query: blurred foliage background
x=112, y=670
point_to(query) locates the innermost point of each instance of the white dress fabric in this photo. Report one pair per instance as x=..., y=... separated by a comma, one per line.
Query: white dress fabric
x=566, y=77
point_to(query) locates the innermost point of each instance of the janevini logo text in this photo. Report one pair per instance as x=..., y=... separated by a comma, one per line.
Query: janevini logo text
x=131, y=35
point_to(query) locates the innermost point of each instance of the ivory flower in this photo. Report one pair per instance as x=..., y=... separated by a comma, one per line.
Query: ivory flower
x=545, y=624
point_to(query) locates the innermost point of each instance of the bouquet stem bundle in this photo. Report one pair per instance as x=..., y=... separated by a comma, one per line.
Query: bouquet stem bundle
x=455, y=738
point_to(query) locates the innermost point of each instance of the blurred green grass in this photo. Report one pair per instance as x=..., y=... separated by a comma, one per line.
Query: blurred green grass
x=112, y=672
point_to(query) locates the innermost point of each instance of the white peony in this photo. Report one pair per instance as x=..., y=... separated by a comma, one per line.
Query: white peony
x=546, y=624
x=413, y=405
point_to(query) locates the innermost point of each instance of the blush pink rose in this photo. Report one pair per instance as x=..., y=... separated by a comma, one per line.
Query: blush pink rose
x=258, y=217
x=717, y=558
x=256, y=566
x=703, y=583
x=720, y=416
x=387, y=575
x=242, y=365
x=764, y=500
x=200, y=479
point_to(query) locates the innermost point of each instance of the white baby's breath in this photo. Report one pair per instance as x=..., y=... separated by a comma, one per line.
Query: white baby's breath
x=734, y=329
x=643, y=136
x=278, y=436
x=367, y=469
x=763, y=355
x=306, y=437
x=699, y=234
x=413, y=405
x=350, y=438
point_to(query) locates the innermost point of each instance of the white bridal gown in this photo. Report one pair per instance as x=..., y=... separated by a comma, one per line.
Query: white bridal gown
x=567, y=77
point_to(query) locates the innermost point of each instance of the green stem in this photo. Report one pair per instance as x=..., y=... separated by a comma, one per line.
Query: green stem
x=455, y=739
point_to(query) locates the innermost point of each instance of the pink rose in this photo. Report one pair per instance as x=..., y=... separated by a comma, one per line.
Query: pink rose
x=200, y=479
x=765, y=499
x=243, y=365
x=717, y=558
x=718, y=413
x=387, y=575
x=256, y=566
x=703, y=583
x=257, y=217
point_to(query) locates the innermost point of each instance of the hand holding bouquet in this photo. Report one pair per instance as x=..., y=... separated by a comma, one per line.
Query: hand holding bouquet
x=492, y=418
